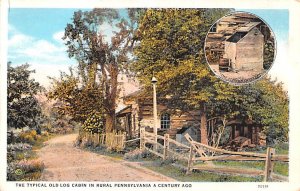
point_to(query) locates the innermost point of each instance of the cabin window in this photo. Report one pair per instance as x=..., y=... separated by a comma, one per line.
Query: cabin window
x=165, y=121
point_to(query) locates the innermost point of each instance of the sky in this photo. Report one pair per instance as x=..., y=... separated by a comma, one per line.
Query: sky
x=34, y=37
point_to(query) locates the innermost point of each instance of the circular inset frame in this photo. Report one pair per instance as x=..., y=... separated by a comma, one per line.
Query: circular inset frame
x=240, y=48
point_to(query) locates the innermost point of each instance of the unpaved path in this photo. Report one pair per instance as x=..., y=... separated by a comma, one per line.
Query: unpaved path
x=64, y=162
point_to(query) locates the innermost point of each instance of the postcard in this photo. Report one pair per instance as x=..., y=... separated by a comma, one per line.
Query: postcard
x=104, y=95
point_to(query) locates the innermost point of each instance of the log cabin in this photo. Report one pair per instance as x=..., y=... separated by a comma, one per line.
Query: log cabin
x=228, y=36
x=138, y=112
x=245, y=48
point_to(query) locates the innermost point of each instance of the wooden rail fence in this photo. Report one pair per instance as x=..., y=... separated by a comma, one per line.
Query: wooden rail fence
x=203, y=153
x=166, y=148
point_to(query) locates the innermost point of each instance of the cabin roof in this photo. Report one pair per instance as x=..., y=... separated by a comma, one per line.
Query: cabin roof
x=124, y=111
x=248, y=27
x=242, y=31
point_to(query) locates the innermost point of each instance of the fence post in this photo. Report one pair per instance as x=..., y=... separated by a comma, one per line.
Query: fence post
x=190, y=161
x=142, y=138
x=166, y=146
x=99, y=138
x=123, y=140
x=269, y=164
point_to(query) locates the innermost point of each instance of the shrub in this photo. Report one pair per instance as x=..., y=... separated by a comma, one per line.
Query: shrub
x=25, y=170
x=94, y=123
x=18, y=147
x=136, y=154
x=28, y=136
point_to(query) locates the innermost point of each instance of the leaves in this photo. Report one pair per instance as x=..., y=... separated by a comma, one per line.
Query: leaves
x=75, y=100
x=23, y=109
x=170, y=47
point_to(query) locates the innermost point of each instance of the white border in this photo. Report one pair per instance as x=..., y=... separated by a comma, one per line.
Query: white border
x=293, y=63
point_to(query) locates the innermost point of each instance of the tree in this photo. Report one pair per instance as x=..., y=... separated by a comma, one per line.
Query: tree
x=171, y=43
x=267, y=104
x=86, y=43
x=75, y=99
x=23, y=109
x=170, y=46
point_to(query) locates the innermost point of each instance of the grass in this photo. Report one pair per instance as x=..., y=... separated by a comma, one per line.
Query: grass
x=178, y=174
x=279, y=167
x=103, y=151
x=176, y=170
x=39, y=143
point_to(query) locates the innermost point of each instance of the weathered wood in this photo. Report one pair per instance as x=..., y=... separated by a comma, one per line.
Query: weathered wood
x=269, y=164
x=195, y=146
x=228, y=152
x=281, y=158
x=166, y=146
x=142, y=138
x=154, y=152
x=132, y=140
x=178, y=144
x=153, y=135
x=228, y=158
x=190, y=161
x=153, y=142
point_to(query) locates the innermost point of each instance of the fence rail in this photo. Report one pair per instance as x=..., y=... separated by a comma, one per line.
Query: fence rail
x=208, y=153
x=200, y=152
x=169, y=149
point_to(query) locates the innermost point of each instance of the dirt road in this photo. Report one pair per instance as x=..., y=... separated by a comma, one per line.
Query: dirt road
x=64, y=162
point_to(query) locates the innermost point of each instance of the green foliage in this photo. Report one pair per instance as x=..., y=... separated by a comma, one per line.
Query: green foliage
x=267, y=103
x=23, y=109
x=25, y=170
x=28, y=137
x=171, y=48
x=21, y=157
x=73, y=99
x=94, y=123
x=99, y=57
x=269, y=52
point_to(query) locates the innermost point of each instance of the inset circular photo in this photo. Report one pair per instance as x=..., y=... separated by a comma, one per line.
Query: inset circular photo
x=240, y=48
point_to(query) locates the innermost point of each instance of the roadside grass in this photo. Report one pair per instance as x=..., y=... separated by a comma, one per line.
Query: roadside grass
x=279, y=167
x=101, y=150
x=176, y=169
x=39, y=143
x=179, y=174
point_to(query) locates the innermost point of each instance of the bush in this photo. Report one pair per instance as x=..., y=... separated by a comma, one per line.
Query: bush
x=28, y=137
x=136, y=154
x=18, y=147
x=25, y=170
x=19, y=151
x=94, y=123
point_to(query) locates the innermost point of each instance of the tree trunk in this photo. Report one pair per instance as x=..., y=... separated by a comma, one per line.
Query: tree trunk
x=203, y=124
x=110, y=121
x=111, y=85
